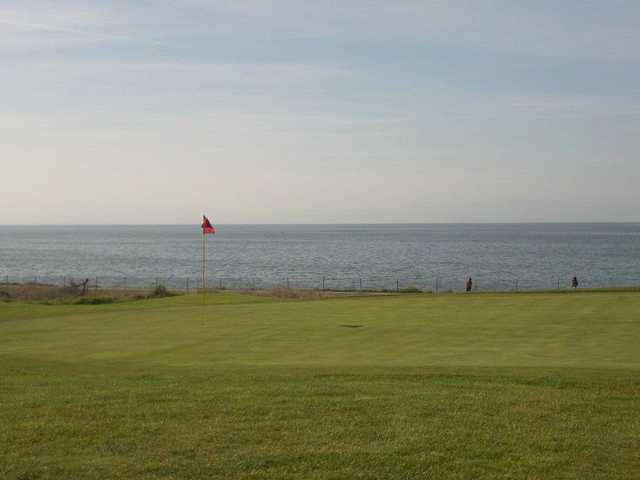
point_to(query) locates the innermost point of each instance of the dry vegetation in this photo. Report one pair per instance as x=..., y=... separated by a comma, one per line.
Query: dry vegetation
x=45, y=293
x=295, y=293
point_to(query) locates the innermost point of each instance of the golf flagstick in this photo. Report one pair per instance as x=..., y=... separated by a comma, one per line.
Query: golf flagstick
x=204, y=263
x=207, y=228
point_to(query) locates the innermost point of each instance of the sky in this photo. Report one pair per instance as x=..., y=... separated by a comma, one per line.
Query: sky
x=296, y=111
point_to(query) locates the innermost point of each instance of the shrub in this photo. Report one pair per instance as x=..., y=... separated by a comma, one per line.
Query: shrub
x=95, y=301
x=160, y=291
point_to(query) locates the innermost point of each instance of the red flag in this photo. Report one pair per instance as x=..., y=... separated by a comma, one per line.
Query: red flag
x=207, y=227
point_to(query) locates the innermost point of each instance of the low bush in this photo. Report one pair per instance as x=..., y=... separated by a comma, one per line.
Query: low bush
x=160, y=291
x=95, y=301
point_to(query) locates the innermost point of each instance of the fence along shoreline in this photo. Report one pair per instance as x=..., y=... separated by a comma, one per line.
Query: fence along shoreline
x=382, y=283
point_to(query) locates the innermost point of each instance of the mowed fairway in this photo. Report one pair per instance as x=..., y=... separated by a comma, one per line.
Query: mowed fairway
x=523, y=386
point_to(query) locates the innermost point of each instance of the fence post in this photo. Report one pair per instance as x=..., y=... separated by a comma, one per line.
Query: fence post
x=397, y=285
x=558, y=284
x=322, y=283
x=360, y=283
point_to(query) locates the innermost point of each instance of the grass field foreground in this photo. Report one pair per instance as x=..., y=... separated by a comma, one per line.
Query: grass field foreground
x=407, y=386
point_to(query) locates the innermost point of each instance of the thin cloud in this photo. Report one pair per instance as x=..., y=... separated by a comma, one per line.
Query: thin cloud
x=34, y=27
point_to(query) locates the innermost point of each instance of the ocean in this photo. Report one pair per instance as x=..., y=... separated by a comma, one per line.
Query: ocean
x=496, y=256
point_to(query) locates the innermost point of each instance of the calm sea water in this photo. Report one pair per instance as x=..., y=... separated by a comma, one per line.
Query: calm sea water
x=496, y=256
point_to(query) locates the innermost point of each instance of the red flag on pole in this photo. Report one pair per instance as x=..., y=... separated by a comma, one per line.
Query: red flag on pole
x=207, y=227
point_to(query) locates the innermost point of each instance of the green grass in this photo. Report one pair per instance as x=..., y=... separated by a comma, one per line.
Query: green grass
x=410, y=386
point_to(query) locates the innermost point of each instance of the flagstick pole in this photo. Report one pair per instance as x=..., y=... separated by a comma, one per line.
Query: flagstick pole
x=204, y=278
x=204, y=285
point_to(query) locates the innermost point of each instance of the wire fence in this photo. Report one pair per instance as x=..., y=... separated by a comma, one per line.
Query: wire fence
x=382, y=283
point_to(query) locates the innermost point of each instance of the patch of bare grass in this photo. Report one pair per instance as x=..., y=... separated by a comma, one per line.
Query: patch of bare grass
x=301, y=294
x=45, y=293
x=38, y=292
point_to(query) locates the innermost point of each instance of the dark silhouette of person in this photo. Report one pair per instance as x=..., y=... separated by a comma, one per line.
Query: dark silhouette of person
x=469, y=285
x=574, y=282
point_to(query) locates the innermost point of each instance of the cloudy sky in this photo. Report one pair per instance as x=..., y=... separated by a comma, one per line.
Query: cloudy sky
x=295, y=111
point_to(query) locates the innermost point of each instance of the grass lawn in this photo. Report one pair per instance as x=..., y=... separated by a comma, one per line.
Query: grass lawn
x=509, y=386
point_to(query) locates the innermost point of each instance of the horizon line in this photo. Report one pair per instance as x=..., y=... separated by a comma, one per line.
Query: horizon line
x=613, y=222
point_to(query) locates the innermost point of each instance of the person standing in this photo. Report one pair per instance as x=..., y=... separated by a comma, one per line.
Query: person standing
x=574, y=282
x=469, y=285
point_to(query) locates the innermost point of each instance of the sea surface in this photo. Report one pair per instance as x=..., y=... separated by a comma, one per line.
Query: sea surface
x=497, y=257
